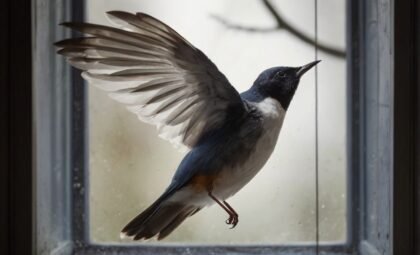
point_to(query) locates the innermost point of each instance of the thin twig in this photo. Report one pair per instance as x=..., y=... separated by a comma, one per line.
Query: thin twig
x=243, y=28
x=283, y=24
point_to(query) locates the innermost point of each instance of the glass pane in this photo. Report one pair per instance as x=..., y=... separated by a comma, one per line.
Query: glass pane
x=332, y=120
x=130, y=166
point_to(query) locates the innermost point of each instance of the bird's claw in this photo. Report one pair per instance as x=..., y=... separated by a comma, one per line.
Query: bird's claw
x=233, y=220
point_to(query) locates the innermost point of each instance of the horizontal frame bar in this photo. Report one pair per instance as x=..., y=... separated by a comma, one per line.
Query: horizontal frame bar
x=338, y=249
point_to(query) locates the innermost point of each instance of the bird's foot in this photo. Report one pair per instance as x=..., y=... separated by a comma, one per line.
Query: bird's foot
x=233, y=220
x=233, y=216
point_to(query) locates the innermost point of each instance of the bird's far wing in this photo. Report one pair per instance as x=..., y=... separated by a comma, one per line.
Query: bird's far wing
x=158, y=74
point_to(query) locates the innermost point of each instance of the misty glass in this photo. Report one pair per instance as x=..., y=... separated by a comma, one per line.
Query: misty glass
x=130, y=166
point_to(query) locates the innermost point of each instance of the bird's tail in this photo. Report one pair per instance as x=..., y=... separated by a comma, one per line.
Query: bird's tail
x=161, y=218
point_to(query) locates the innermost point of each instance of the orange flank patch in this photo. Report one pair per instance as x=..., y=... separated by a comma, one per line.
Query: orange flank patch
x=202, y=182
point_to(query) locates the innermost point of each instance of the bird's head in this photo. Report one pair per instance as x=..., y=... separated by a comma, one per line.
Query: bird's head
x=281, y=82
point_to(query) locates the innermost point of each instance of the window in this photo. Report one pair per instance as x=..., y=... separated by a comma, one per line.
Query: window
x=129, y=165
x=68, y=213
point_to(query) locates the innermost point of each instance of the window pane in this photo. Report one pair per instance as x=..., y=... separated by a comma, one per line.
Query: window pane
x=130, y=166
x=332, y=120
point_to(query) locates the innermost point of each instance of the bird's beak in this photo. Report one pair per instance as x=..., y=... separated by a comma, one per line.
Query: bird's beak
x=303, y=69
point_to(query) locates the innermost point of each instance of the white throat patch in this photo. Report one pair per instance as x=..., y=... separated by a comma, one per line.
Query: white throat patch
x=271, y=108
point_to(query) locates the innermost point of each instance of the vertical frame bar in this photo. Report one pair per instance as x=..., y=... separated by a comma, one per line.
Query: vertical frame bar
x=404, y=123
x=80, y=193
x=5, y=156
x=16, y=140
x=417, y=129
x=51, y=130
x=374, y=126
x=353, y=40
x=20, y=175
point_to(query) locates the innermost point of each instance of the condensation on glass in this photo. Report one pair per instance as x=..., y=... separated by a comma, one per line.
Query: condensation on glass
x=129, y=166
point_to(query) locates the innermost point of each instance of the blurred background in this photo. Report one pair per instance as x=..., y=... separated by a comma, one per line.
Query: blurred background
x=129, y=166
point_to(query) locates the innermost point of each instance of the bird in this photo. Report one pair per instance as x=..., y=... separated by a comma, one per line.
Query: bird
x=161, y=77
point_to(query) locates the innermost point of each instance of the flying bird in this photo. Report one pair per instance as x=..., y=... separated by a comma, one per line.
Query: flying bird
x=166, y=81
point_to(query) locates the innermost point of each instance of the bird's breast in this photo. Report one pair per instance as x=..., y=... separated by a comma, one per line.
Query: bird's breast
x=234, y=177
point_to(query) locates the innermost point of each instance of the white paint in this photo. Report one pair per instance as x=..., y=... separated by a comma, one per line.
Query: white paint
x=233, y=180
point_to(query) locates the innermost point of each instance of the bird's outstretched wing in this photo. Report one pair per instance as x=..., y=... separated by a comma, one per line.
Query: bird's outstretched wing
x=158, y=74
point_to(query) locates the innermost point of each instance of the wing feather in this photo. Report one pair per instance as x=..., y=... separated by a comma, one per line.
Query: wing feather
x=158, y=74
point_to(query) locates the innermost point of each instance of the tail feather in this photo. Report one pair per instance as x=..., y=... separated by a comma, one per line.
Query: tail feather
x=176, y=222
x=157, y=221
x=161, y=218
x=131, y=228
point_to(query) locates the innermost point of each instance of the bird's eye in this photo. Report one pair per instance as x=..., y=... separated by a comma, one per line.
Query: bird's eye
x=279, y=75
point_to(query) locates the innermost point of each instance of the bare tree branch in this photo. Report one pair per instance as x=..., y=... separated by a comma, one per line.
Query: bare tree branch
x=283, y=24
x=243, y=28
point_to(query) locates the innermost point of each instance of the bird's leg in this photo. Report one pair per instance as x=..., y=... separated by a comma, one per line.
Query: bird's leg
x=233, y=216
x=220, y=203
